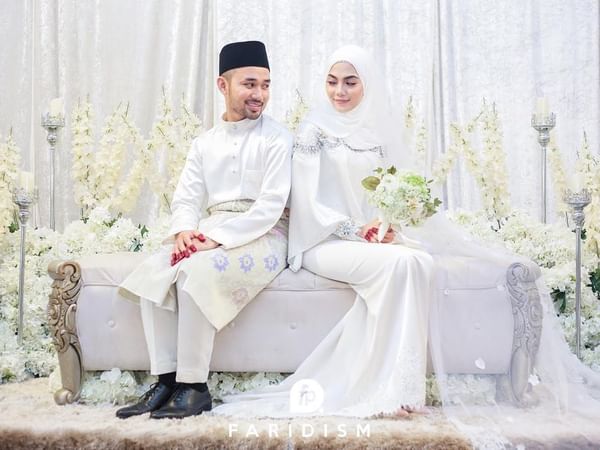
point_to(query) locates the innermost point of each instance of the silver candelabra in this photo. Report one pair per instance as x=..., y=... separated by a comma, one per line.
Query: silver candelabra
x=543, y=125
x=23, y=200
x=52, y=124
x=578, y=201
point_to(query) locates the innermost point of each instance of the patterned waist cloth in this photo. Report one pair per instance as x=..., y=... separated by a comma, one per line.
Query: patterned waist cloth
x=232, y=206
x=238, y=206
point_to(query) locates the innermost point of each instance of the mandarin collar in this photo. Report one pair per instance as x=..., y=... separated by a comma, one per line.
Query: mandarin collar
x=240, y=126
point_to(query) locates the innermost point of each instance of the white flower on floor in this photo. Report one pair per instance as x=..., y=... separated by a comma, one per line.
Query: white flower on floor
x=480, y=363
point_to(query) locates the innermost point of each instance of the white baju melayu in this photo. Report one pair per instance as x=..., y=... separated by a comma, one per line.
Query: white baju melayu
x=238, y=173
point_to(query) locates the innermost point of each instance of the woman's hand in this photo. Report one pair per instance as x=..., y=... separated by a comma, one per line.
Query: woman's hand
x=188, y=242
x=370, y=230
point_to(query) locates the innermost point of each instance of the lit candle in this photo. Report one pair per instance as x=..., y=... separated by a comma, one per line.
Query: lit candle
x=542, y=110
x=57, y=107
x=26, y=181
x=578, y=182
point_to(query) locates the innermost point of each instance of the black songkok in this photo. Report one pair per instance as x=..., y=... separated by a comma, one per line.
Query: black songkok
x=243, y=54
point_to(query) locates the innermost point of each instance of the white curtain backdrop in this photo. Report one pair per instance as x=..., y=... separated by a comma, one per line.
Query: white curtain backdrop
x=447, y=55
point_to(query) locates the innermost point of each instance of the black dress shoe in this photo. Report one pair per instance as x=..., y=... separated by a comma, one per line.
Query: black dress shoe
x=184, y=402
x=151, y=400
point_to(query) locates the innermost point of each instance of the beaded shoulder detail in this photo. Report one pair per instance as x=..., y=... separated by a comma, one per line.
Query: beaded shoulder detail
x=309, y=140
x=312, y=140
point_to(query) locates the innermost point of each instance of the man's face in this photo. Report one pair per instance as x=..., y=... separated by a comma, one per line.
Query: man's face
x=246, y=92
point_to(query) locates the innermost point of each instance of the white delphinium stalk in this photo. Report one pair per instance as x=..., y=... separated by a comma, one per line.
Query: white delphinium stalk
x=187, y=127
x=559, y=177
x=494, y=177
x=9, y=163
x=487, y=167
x=443, y=165
x=421, y=148
x=82, y=142
x=169, y=143
x=409, y=114
x=459, y=146
x=587, y=169
x=294, y=116
x=108, y=161
x=129, y=190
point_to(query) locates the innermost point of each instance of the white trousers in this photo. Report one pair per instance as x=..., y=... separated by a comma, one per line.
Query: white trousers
x=180, y=341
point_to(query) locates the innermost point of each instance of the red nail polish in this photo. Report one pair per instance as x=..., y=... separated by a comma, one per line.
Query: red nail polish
x=193, y=248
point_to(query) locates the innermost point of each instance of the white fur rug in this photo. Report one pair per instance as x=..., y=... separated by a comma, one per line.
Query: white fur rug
x=29, y=419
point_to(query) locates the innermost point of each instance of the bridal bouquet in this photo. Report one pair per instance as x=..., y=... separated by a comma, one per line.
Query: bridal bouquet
x=402, y=197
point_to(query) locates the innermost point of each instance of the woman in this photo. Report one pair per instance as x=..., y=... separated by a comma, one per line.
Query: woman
x=374, y=360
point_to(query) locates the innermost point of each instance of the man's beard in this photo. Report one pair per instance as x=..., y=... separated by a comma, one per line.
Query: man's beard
x=247, y=113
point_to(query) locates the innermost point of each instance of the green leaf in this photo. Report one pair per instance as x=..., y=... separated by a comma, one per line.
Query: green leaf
x=143, y=230
x=595, y=281
x=371, y=183
x=560, y=300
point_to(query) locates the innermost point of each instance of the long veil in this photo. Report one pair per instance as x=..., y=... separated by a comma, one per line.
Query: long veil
x=561, y=393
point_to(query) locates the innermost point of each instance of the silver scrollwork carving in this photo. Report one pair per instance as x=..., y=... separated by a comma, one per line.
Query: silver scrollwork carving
x=62, y=309
x=527, y=314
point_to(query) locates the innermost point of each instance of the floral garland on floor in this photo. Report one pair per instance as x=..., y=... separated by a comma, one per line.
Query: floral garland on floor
x=105, y=230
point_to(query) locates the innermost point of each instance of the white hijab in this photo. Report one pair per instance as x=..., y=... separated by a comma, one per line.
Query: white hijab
x=365, y=126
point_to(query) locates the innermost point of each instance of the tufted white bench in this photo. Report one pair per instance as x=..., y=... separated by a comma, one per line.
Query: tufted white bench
x=490, y=312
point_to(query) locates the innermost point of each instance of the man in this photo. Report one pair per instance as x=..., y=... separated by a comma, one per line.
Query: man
x=239, y=173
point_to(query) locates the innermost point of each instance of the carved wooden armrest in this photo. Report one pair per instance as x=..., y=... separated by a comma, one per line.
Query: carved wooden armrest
x=62, y=308
x=527, y=315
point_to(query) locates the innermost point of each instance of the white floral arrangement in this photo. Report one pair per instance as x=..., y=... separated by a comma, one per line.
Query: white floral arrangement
x=159, y=159
x=9, y=163
x=100, y=233
x=168, y=146
x=552, y=247
x=116, y=387
x=487, y=166
x=99, y=174
x=402, y=197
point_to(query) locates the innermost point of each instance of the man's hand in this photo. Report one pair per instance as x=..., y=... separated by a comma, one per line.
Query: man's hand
x=369, y=232
x=188, y=242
